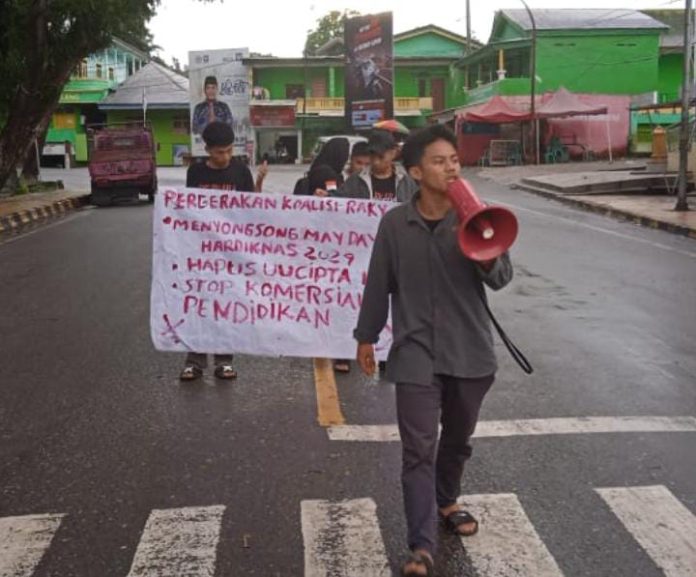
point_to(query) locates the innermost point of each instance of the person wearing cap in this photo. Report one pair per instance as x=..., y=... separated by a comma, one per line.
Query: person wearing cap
x=211, y=108
x=383, y=179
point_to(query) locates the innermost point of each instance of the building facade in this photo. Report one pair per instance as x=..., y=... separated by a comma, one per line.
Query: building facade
x=606, y=57
x=90, y=84
x=296, y=100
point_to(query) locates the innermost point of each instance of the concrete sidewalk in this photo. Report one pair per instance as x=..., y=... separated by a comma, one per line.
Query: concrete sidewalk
x=17, y=211
x=651, y=210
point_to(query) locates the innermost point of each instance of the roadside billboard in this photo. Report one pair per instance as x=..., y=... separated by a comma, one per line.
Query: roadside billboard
x=220, y=89
x=369, y=77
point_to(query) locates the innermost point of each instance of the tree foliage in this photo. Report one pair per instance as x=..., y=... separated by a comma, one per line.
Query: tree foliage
x=328, y=27
x=41, y=43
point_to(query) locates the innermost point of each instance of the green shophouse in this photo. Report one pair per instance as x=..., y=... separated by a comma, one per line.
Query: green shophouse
x=297, y=100
x=88, y=86
x=612, y=56
x=598, y=51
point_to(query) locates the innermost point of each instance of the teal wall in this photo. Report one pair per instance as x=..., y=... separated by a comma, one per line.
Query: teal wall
x=430, y=44
x=275, y=79
x=644, y=122
x=604, y=62
x=610, y=63
x=670, y=77
x=507, y=31
x=505, y=87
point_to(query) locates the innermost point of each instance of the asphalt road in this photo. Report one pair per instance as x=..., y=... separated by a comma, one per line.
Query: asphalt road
x=109, y=466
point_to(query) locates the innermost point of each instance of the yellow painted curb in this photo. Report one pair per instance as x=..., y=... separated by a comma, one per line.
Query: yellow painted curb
x=328, y=404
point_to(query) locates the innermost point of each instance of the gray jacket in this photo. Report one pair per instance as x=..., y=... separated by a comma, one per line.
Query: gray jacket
x=359, y=185
x=440, y=324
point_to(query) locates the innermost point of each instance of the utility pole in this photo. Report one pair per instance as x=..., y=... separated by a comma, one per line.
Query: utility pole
x=684, y=131
x=532, y=83
x=468, y=27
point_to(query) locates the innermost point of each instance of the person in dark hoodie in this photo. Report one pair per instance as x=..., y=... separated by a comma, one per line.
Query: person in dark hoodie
x=334, y=155
x=383, y=179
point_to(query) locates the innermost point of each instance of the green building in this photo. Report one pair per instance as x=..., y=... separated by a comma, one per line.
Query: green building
x=612, y=57
x=664, y=107
x=296, y=100
x=90, y=83
x=159, y=96
x=598, y=51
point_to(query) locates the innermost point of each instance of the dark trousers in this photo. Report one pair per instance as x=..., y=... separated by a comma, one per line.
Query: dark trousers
x=431, y=471
x=201, y=360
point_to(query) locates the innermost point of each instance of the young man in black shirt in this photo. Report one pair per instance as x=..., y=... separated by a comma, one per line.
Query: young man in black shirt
x=219, y=172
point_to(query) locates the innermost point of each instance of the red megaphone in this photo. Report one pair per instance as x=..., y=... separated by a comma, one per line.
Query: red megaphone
x=485, y=231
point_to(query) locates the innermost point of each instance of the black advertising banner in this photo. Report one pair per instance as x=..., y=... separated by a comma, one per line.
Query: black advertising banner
x=369, y=71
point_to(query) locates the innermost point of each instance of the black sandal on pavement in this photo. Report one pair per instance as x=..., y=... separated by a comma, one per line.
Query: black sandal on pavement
x=421, y=559
x=190, y=373
x=456, y=519
x=225, y=372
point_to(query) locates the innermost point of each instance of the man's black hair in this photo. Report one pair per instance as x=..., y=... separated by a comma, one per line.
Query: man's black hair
x=417, y=142
x=210, y=80
x=360, y=149
x=218, y=134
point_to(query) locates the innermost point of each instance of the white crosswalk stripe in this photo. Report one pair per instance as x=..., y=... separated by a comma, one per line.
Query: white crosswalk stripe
x=343, y=539
x=181, y=542
x=531, y=427
x=660, y=523
x=507, y=545
x=23, y=542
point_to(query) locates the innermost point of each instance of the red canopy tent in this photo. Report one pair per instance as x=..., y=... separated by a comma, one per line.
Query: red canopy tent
x=565, y=103
x=478, y=146
x=496, y=111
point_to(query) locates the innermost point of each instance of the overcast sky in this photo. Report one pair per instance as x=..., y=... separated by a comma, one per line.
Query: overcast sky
x=279, y=27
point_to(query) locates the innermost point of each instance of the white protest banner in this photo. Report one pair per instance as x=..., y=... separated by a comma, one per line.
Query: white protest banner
x=260, y=274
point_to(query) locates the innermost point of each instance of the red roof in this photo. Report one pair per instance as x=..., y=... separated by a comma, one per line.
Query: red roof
x=565, y=103
x=496, y=111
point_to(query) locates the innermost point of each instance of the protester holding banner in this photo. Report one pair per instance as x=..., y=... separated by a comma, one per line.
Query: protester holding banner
x=383, y=179
x=219, y=172
x=442, y=358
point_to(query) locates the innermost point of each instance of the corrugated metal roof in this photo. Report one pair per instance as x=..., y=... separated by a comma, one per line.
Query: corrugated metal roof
x=583, y=19
x=163, y=88
x=674, y=19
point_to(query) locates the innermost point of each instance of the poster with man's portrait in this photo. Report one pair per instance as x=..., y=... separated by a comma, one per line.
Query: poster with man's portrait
x=220, y=89
x=369, y=72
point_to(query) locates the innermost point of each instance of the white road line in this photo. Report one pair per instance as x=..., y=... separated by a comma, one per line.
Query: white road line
x=343, y=538
x=507, y=544
x=23, y=542
x=596, y=228
x=181, y=542
x=531, y=427
x=660, y=523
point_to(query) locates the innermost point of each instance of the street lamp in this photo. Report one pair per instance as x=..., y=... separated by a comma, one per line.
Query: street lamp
x=532, y=82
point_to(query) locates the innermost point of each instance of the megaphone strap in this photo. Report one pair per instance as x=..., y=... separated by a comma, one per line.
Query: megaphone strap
x=516, y=353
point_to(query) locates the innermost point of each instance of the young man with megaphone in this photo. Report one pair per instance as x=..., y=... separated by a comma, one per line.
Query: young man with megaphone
x=442, y=357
